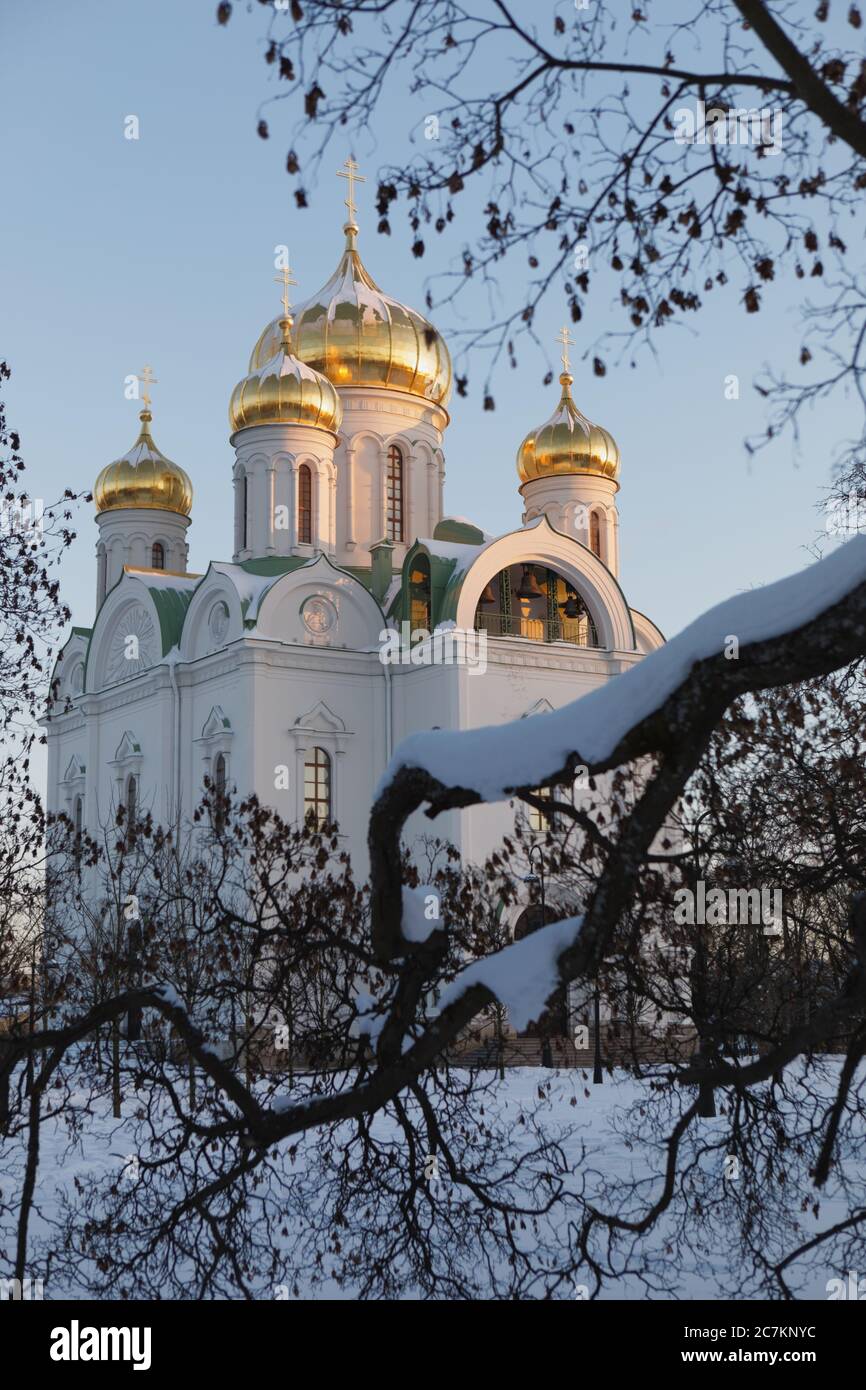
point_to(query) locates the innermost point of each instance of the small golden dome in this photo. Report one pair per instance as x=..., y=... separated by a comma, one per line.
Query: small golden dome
x=282, y=390
x=359, y=336
x=143, y=478
x=567, y=443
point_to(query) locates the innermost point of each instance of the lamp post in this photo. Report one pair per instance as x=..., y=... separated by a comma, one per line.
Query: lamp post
x=546, y=1053
x=539, y=877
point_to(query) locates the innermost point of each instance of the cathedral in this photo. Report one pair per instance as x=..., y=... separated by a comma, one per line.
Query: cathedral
x=274, y=672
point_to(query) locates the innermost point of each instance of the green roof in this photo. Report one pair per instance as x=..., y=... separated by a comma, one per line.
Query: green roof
x=458, y=532
x=171, y=606
x=441, y=571
x=274, y=564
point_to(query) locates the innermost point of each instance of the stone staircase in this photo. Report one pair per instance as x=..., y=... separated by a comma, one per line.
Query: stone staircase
x=617, y=1050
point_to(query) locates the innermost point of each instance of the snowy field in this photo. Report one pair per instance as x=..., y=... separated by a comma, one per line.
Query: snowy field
x=589, y=1120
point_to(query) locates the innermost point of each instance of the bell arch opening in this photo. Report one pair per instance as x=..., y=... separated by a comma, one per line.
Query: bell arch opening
x=537, y=602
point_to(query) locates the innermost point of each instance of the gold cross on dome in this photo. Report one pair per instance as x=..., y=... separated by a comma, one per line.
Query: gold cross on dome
x=567, y=341
x=285, y=279
x=147, y=378
x=350, y=171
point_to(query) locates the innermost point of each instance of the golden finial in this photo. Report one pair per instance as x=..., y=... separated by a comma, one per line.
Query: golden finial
x=567, y=341
x=285, y=279
x=350, y=172
x=147, y=379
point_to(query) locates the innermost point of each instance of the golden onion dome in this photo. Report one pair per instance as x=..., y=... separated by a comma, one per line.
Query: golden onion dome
x=143, y=478
x=567, y=443
x=359, y=336
x=282, y=390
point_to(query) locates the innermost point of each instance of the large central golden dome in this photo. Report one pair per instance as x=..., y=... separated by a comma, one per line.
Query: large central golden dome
x=357, y=335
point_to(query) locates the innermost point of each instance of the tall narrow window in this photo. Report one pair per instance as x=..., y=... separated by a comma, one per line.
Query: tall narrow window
x=305, y=505
x=419, y=594
x=157, y=556
x=395, y=494
x=219, y=787
x=131, y=811
x=595, y=534
x=317, y=787
x=244, y=511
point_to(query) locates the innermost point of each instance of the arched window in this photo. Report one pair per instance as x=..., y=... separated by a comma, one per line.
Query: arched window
x=317, y=787
x=157, y=556
x=595, y=534
x=244, y=510
x=395, y=494
x=305, y=505
x=419, y=594
x=219, y=788
x=131, y=810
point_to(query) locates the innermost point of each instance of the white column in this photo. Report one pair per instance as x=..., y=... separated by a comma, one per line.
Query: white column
x=349, y=465
x=410, y=521
x=320, y=525
x=238, y=535
x=101, y=570
x=300, y=755
x=431, y=497
x=269, y=532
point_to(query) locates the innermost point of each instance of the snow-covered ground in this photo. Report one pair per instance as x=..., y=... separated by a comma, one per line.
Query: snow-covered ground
x=599, y=1142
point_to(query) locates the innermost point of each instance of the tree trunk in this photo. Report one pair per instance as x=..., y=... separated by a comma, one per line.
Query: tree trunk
x=115, y=1069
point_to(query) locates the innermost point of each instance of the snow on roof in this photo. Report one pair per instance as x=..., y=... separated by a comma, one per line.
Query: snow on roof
x=162, y=579
x=464, y=521
x=523, y=975
x=491, y=760
x=392, y=591
x=465, y=555
x=250, y=588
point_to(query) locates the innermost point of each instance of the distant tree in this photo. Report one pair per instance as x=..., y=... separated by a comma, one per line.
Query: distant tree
x=554, y=145
x=34, y=534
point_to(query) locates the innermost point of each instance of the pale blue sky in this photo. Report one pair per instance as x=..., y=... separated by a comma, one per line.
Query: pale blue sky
x=160, y=250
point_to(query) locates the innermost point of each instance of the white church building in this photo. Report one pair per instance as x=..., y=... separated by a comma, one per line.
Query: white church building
x=270, y=672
